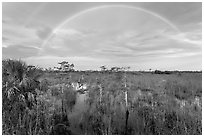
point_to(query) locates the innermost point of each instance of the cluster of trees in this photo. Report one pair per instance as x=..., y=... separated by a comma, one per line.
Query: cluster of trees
x=114, y=69
x=162, y=72
x=65, y=66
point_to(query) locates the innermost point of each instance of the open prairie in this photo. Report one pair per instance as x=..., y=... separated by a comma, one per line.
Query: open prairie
x=48, y=102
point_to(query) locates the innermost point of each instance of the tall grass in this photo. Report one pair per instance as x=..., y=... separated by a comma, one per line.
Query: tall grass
x=36, y=102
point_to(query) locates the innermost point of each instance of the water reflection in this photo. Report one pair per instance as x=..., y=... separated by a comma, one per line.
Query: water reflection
x=76, y=115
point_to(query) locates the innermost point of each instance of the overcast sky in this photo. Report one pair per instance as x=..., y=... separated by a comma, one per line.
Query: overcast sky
x=166, y=36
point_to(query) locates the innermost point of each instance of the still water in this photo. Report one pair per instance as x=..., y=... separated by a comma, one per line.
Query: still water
x=76, y=115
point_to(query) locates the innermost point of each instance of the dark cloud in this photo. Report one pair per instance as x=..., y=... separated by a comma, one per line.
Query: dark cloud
x=4, y=39
x=43, y=32
x=4, y=21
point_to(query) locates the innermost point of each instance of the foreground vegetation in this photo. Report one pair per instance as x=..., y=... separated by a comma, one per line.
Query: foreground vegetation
x=42, y=102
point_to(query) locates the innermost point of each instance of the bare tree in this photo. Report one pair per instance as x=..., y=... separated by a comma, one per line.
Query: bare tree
x=126, y=98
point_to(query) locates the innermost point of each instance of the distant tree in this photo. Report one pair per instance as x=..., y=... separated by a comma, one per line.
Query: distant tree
x=103, y=68
x=49, y=69
x=115, y=69
x=65, y=66
x=72, y=67
x=125, y=68
x=57, y=68
x=158, y=72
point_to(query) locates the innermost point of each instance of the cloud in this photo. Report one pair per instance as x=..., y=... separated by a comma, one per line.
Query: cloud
x=123, y=44
x=19, y=51
x=154, y=45
x=43, y=32
x=19, y=35
x=6, y=20
x=104, y=36
x=69, y=41
x=4, y=39
x=194, y=38
x=4, y=45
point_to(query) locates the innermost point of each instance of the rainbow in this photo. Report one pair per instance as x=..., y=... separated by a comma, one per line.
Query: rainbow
x=108, y=6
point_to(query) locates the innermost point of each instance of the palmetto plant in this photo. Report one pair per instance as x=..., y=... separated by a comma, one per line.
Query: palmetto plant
x=18, y=93
x=18, y=78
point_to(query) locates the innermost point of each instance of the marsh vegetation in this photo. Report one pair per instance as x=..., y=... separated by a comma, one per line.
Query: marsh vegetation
x=45, y=102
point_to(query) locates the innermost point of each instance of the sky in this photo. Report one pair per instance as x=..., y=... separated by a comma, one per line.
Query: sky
x=150, y=35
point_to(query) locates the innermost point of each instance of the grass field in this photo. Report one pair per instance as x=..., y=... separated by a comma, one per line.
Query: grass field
x=42, y=102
